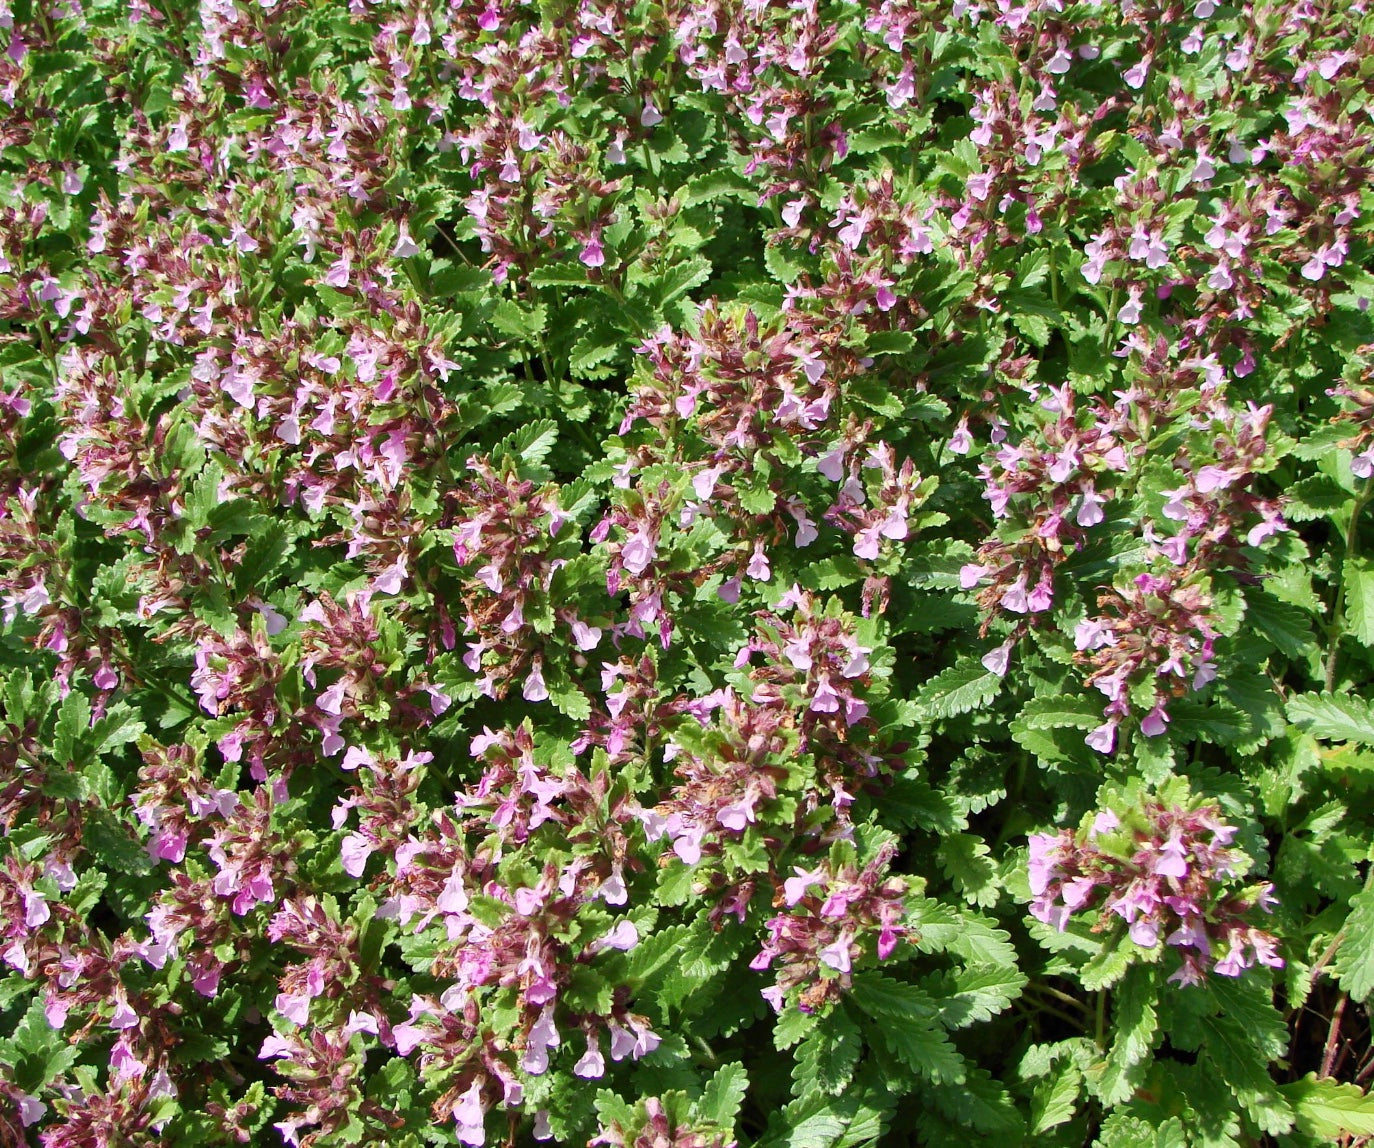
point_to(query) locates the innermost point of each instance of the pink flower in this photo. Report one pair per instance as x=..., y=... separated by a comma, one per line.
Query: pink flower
x=592, y=254
x=836, y=955
x=996, y=661
x=470, y=1117
x=637, y=552
x=1155, y=722
x=535, y=689
x=592, y=1065
x=1103, y=738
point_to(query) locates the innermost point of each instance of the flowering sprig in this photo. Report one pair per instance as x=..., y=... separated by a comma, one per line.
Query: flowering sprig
x=1166, y=873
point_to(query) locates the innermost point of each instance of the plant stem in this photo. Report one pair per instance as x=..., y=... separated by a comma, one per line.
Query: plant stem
x=1333, y=1036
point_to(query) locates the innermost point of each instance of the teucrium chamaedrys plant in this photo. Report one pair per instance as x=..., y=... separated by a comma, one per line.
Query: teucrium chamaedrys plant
x=686, y=573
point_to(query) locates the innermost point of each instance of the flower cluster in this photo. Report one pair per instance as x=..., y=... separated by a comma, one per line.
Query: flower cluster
x=828, y=914
x=504, y=507
x=1165, y=872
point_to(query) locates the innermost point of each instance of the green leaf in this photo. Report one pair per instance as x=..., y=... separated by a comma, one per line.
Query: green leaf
x=592, y=351
x=611, y=1109
x=979, y=1103
x=655, y=954
x=719, y=184
x=1333, y=717
x=449, y=279
x=1122, y=1131
x=854, y=1118
x=965, y=859
x=1240, y=1041
x=526, y=323
x=1108, y=965
x=963, y=687
x=1316, y=497
x=1354, y=963
x=1255, y=696
x=1329, y=1109
x=755, y=495
x=570, y=700
x=112, y=845
x=908, y=1025
x=1055, y=1098
x=781, y=265
x=567, y=273
x=1062, y=711
x=1154, y=758
x=73, y=722
x=1218, y=723
x=827, y=1057
x=531, y=444
x=890, y=343
x=1359, y=600
x=681, y=277
x=791, y=1027
x=977, y=993
x=1286, y=626
x=724, y=1093
x=1134, y=1023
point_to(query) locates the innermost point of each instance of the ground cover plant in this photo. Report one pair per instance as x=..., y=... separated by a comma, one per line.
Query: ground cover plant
x=689, y=573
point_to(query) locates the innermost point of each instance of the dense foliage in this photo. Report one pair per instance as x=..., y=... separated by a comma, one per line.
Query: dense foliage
x=686, y=572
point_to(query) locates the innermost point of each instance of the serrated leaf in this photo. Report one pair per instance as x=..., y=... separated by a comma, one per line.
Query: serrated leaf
x=908, y=1025
x=568, y=273
x=519, y=322
x=1354, y=962
x=977, y=993
x=1359, y=600
x=827, y=1057
x=531, y=444
x=111, y=843
x=1329, y=1109
x=781, y=265
x=653, y=955
x=957, y=690
x=720, y=184
x=791, y=1027
x=979, y=1103
x=1255, y=696
x=119, y=726
x=681, y=277
x=570, y=701
x=73, y=721
x=965, y=859
x=1122, y=1131
x=593, y=350
x=612, y=1109
x=824, y=1122
x=1240, y=1041
x=1286, y=626
x=1062, y=711
x=1107, y=966
x=265, y=551
x=1310, y=498
x=724, y=1093
x=1055, y=1099
x=890, y=343
x=1217, y=723
x=448, y=279
x=1333, y=717
x=1134, y=1022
